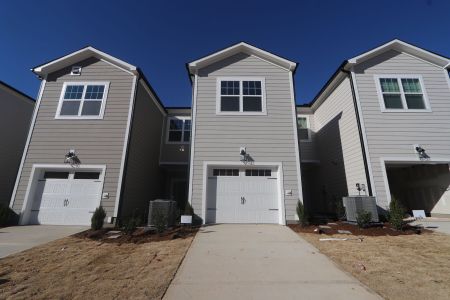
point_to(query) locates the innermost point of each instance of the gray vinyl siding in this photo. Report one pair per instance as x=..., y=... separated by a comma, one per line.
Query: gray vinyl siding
x=308, y=150
x=394, y=134
x=143, y=176
x=97, y=142
x=268, y=138
x=171, y=153
x=338, y=143
x=15, y=116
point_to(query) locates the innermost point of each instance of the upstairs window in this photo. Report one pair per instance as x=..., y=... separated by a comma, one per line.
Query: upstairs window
x=402, y=93
x=240, y=96
x=303, y=128
x=179, y=130
x=82, y=101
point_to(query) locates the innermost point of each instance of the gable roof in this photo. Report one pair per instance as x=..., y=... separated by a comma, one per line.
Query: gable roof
x=395, y=44
x=79, y=55
x=237, y=48
x=403, y=47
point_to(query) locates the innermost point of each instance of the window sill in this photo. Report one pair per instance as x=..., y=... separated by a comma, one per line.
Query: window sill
x=79, y=118
x=385, y=110
x=220, y=113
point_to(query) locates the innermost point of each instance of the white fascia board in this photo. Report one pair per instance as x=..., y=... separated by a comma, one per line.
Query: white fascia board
x=82, y=54
x=241, y=47
x=402, y=47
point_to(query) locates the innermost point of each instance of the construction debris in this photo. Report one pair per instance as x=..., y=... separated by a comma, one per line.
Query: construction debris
x=344, y=231
x=360, y=239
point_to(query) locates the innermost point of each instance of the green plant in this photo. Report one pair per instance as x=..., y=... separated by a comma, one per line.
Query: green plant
x=396, y=214
x=363, y=218
x=98, y=218
x=159, y=220
x=303, y=219
x=131, y=224
x=188, y=210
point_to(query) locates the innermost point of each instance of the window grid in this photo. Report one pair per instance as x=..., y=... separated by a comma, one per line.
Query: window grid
x=179, y=130
x=241, y=96
x=225, y=172
x=258, y=172
x=402, y=93
x=303, y=128
x=82, y=100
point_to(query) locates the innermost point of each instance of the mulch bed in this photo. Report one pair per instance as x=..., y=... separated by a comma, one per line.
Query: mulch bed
x=139, y=236
x=378, y=230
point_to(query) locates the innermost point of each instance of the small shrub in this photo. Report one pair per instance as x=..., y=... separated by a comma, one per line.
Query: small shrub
x=396, y=214
x=363, y=219
x=302, y=214
x=98, y=218
x=131, y=224
x=188, y=210
x=159, y=220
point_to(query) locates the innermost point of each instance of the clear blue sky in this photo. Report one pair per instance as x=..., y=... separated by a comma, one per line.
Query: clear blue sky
x=161, y=36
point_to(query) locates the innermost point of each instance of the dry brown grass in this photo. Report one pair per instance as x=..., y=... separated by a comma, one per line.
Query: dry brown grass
x=396, y=267
x=75, y=268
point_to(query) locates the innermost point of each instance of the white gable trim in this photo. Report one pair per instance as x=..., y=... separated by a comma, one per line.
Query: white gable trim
x=241, y=47
x=82, y=54
x=403, y=47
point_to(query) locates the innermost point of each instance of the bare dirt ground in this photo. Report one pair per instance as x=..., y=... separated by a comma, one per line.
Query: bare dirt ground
x=405, y=266
x=79, y=267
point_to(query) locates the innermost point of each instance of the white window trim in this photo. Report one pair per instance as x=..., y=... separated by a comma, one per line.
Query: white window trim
x=402, y=93
x=184, y=118
x=308, y=125
x=102, y=108
x=241, y=105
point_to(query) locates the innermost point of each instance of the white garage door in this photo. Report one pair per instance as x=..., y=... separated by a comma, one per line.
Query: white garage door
x=246, y=195
x=66, y=198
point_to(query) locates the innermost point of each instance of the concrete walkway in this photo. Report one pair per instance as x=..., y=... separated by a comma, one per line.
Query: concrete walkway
x=441, y=225
x=259, y=262
x=18, y=238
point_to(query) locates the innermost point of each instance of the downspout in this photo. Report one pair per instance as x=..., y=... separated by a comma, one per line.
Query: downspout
x=358, y=121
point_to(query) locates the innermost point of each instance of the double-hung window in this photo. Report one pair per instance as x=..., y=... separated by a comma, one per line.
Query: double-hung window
x=179, y=130
x=240, y=96
x=82, y=100
x=303, y=128
x=402, y=93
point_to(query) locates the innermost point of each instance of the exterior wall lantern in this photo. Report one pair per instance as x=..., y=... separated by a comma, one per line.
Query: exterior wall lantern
x=72, y=158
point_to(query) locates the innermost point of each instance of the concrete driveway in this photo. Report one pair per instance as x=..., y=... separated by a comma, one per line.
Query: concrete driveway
x=259, y=262
x=441, y=225
x=18, y=238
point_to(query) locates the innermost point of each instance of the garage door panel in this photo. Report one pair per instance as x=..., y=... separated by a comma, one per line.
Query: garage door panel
x=65, y=201
x=242, y=199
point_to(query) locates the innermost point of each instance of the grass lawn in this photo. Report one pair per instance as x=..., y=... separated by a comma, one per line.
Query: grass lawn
x=83, y=268
x=396, y=267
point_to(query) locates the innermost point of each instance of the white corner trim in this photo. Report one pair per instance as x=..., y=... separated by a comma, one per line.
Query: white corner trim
x=24, y=214
x=193, y=127
x=364, y=135
x=27, y=144
x=181, y=142
x=82, y=100
x=405, y=109
x=278, y=165
x=241, y=96
x=296, y=143
x=125, y=145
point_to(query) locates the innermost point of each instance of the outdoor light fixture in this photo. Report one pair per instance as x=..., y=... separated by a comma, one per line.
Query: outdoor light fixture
x=421, y=152
x=71, y=158
x=361, y=187
x=243, y=155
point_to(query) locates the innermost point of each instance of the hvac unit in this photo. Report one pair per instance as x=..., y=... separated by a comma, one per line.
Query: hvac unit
x=166, y=209
x=355, y=204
